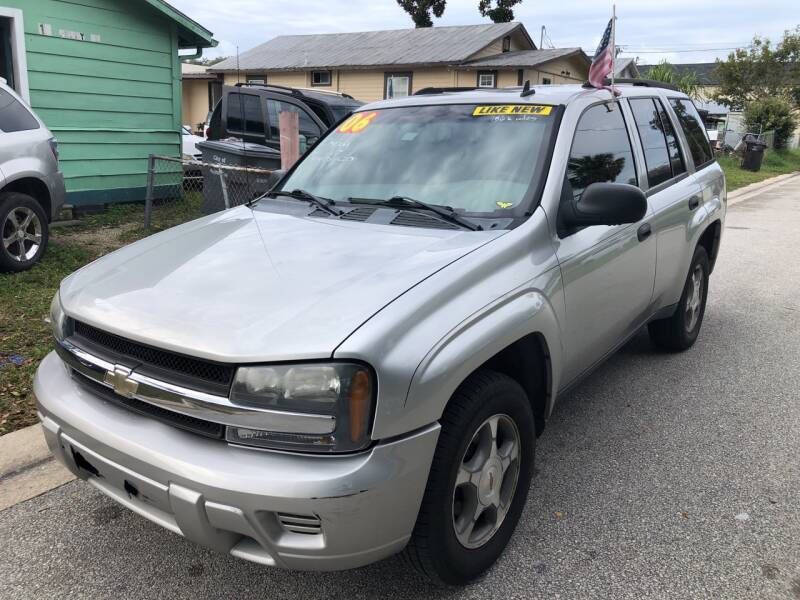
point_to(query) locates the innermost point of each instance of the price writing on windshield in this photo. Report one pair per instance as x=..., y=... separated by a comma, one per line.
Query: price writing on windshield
x=357, y=123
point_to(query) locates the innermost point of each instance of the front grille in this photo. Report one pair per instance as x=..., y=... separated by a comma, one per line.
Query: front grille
x=305, y=524
x=168, y=366
x=198, y=426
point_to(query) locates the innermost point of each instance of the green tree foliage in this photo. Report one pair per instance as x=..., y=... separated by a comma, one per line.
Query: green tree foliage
x=502, y=11
x=761, y=71
x=420, y=10
x=771, y=114
x=666, y=73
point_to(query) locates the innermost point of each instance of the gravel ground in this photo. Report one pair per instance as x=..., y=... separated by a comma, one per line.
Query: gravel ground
x=661, y=476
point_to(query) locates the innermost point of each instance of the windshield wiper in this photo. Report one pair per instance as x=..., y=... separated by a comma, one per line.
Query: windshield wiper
x=325, y=204
x=445, y=212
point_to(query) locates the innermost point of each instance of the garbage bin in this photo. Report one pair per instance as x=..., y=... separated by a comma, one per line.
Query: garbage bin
x=753, y=153
x=240, y=186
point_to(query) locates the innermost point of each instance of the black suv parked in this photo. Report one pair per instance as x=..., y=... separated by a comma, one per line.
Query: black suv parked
x=250, y=112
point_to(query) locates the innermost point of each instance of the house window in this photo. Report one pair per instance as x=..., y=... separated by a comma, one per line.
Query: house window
x=13, y=63
x=397, y=85
x=256, y=79
x=320, y=77
x=507, y=43
x=546, y=81
x=520, y=76
x=487, y=79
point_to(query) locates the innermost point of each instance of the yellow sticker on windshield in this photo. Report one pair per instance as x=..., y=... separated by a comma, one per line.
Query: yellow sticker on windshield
x=512, y=109
x=357, y=123
x=505, y=204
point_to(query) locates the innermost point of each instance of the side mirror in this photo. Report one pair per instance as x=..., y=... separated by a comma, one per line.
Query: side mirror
x=605, y=204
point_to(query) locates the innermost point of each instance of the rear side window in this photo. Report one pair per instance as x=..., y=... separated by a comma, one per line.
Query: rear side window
x=654, y=143
x=244, y=114
x=14, y=116
x=601, y=150
x=693, y=128
x=675, y=154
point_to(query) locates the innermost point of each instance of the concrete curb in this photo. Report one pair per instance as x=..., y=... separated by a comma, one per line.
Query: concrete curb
x=27, y=469
x=751, y=190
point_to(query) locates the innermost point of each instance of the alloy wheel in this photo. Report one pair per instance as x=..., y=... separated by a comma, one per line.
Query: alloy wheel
x=486, y=481
x=21, y=234
x=694, y=300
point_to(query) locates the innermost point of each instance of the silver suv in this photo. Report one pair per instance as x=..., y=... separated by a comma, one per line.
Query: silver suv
x=31, y=186
x=359, y=363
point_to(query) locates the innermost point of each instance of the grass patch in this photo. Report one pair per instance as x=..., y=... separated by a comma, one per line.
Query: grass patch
x=25, y=297
x=776, y=162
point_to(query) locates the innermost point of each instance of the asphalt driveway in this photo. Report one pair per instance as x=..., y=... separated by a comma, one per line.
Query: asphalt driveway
x=661, y=476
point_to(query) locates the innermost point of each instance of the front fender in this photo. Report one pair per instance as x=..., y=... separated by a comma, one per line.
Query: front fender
x=525, y=311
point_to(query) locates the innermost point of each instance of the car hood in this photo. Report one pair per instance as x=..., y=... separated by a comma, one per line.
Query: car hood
x=253, y=286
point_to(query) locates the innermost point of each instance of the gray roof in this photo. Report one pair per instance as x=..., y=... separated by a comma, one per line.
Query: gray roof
x=706, y=72
x=423, y=46
x=524, y=58
x=621, y=64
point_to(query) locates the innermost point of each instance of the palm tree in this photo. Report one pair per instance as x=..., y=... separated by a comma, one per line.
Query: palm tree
x=666, y=72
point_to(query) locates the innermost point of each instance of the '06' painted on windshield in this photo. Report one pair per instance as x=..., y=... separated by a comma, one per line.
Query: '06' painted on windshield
x=358, y=122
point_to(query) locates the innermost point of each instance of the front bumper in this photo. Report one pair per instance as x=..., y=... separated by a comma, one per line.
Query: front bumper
x=292, y=511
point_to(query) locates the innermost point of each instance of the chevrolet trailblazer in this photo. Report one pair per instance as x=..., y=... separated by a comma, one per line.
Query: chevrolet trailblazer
x=359, y=363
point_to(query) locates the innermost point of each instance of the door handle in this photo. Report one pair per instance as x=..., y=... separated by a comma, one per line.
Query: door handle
x=644, y=232
x=694, y=202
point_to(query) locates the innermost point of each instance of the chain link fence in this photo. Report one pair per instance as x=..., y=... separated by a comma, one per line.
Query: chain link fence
x=193, y=183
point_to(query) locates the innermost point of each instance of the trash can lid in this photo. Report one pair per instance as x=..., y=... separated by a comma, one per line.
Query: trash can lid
x=239, y=147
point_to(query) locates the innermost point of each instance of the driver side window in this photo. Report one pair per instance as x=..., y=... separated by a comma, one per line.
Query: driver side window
x=601, y=151
x=308, y=127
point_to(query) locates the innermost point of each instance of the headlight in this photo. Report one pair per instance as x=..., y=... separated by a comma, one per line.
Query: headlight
x=342, y=392
x=58, y=320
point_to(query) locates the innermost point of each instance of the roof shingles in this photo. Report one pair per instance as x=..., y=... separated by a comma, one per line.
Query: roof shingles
x=423, y=46
x=525, y=58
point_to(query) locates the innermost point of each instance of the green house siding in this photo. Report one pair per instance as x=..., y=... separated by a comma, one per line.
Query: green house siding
x=110, y=99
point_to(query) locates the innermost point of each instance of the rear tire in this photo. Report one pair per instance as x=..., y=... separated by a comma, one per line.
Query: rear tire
x=679, y=332
x=23, y=232
x=483, y=466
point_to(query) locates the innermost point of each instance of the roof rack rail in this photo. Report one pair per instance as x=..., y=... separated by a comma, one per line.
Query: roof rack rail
x=638, y=83
x=294, y=91
x=442, y=90
x=321, y=91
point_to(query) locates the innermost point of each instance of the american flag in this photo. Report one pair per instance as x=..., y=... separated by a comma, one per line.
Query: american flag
x=603, y=58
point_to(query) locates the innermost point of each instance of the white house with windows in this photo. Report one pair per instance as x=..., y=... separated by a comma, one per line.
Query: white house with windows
x=372, y=65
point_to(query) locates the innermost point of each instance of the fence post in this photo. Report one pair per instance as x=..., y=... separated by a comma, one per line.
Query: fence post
x=224, y=185
x=148, y=199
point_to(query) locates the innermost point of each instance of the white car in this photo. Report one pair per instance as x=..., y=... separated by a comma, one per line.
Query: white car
x=189, y=143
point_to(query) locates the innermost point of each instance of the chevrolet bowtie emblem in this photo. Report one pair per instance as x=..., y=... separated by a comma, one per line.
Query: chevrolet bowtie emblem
x=119, y=379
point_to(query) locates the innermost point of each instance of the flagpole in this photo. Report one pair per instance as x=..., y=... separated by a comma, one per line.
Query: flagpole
x=613, y=47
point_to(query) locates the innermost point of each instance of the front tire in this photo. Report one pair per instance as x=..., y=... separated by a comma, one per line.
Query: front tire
x=478, y=482
x=23, y=232
x=680, y=331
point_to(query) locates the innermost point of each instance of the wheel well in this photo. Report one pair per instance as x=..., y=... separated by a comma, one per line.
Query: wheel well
x=710, y=241
x=527, y=361
x=36, y=188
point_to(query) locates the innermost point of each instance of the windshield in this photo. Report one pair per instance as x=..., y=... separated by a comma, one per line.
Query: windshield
x=473, y=158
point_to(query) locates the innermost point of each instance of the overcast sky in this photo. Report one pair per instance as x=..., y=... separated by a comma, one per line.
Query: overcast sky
x=649, y=29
